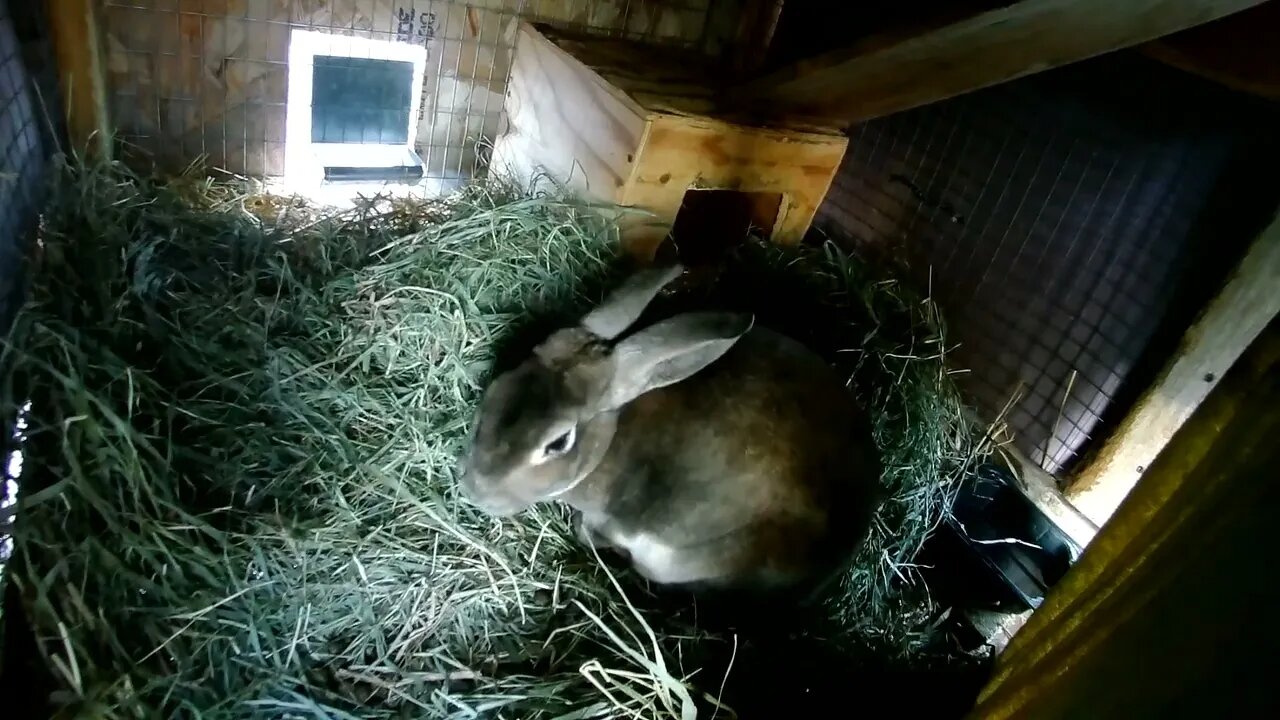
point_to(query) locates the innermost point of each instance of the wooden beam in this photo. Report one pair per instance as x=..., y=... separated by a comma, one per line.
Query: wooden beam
x=1237, y=52
x=1167, y=614
x=880, y=76
x=1246, y=305
x=756, y=25
x=78, y=50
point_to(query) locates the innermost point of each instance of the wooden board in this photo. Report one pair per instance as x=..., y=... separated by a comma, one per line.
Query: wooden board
x=756, y=27
x=1238, y=52
x=1246, y=305
x=564, y=120
x=1168, y=611
x=74, y=27
x=667, y=80
x=878, y=76
x=577, y=116
x=591, y=115
x=679, y=153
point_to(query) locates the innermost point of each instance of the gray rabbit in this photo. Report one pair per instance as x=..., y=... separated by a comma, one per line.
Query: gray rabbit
x=713, y=453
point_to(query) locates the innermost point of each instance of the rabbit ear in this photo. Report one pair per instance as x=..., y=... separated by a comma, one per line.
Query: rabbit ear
x=670, y=351
x=625, y=304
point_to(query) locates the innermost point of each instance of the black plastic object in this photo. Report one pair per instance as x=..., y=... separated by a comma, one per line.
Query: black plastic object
x=398, y=173
x=996, y=550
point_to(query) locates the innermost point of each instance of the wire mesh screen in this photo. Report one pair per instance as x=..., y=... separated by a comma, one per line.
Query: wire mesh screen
x=24, y=160
x=191, y=78
x=1055, y=219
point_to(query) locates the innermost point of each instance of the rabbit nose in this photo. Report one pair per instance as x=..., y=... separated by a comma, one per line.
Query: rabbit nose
x=472, y=482
x=468, y=479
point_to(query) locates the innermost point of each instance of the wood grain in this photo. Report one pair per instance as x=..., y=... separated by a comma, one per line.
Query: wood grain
x=1248, y=302
x=679, y=153
x=76, y=44
x=594, y=116
x=1238, y=52
x=879, y=76
x=1167, y=612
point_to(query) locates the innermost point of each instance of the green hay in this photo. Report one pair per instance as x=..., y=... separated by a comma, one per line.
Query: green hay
x=247, y=417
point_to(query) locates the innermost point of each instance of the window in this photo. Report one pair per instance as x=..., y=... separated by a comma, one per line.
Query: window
x=357, y=100
x=352, y=110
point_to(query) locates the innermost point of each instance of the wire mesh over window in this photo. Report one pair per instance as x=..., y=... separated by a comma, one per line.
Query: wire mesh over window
x=1056, y=219
x=361, y=100
x=192, y=78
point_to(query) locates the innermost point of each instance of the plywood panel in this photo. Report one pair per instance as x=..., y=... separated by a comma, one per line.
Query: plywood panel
x=680, y=153
x=583, y=115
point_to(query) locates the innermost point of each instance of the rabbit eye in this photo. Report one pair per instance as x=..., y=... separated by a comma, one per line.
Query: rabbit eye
x=560, y=444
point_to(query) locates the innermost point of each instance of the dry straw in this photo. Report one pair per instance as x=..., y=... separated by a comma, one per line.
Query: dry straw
x=243, y=422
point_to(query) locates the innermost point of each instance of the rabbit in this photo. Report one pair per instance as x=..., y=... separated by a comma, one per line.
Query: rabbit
x=711, y=452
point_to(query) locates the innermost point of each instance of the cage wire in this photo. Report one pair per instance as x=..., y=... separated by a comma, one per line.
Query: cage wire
x=27, y=104
x=208, y=78
x=1054, y=219
x=23, y=161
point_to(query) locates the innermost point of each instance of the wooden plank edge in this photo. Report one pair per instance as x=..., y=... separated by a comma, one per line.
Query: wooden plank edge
x=1204, y=507
x=1236, y=52
x=1252, y=83
x=879, y=76
x=1246, y=305
x=77, y=46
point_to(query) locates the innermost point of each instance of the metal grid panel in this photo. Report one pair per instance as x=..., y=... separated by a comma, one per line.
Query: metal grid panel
x=192, y=78
x=23, y=164
x=24, y=167
x=1054, y=219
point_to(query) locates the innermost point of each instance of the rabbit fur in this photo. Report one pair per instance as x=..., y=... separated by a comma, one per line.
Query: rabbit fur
x=710, y=451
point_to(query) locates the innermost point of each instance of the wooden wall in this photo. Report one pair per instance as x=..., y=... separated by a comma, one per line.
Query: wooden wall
x=193, y=77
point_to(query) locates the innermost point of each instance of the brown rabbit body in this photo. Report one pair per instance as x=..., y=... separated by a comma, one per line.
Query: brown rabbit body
x=711, y=452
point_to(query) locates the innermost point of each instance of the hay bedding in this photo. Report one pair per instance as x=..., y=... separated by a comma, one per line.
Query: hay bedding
x=247, y=414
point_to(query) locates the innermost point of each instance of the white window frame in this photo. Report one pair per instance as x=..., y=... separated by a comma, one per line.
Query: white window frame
x=305, y=160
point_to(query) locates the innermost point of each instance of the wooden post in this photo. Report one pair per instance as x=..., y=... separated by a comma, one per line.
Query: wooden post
x=1167, y=612
x=756, y=25
x=880, y=75
x=1247, y=303
x=78, y=50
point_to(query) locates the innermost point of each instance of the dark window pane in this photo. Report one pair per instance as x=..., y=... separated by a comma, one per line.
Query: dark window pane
x=359, y=101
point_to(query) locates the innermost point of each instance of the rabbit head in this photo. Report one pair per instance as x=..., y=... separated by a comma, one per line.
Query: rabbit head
x=544, y=426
